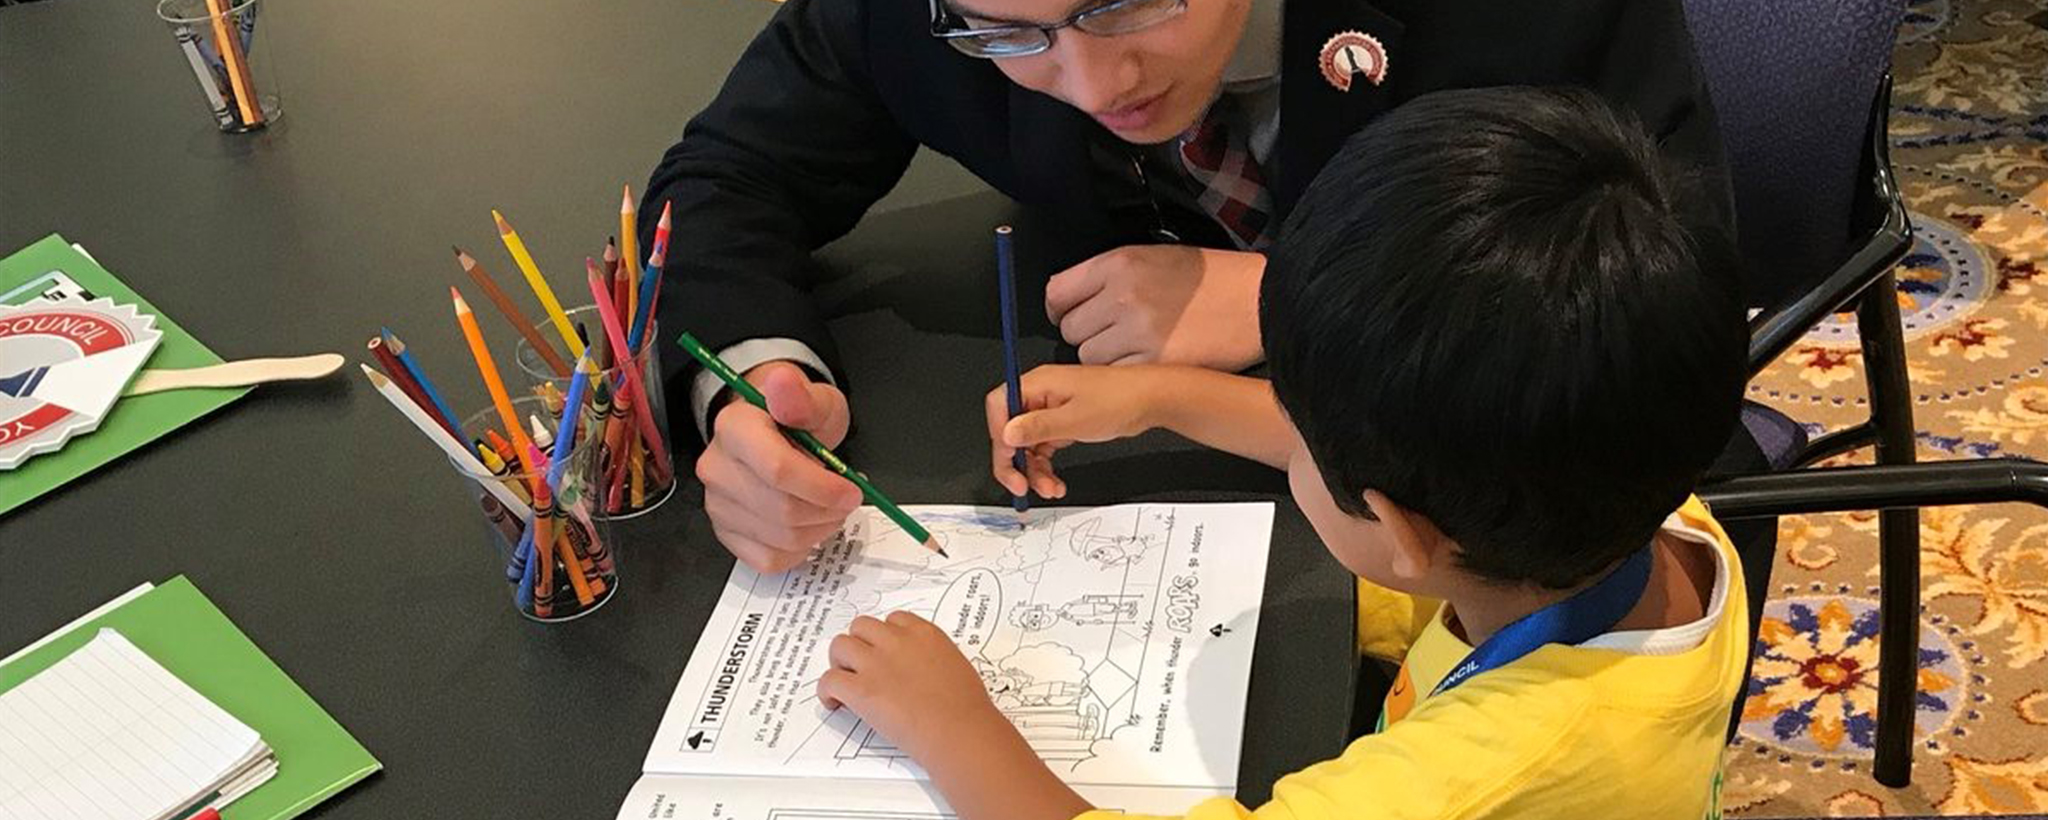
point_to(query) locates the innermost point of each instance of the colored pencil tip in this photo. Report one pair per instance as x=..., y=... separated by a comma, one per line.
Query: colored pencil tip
x=933, y=545
x=460, y=305
x=626, y=200
x=503, y=226
x=376, y=378
x=664, y=215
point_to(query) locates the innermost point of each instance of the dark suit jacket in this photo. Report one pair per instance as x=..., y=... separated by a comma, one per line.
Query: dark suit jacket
x=825, y=108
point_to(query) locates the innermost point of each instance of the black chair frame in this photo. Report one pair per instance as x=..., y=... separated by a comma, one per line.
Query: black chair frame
x=1895, y=485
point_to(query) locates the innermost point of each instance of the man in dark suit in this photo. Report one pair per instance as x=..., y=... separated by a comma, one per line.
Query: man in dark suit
x=1167, y=138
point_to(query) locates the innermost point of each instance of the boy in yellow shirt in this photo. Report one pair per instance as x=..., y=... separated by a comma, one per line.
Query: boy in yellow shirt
x=1500, y=363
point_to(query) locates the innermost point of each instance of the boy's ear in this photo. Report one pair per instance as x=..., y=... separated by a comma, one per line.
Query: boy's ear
x=1417, y=544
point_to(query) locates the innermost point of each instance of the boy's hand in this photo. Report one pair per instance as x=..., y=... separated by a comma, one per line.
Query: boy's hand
x=907, y=679
x=1064, y=404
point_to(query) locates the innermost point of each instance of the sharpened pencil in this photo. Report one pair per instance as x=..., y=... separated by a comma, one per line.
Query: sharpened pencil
x=1013, y=389
x=488, y=369
x=745, y=390
x=512, y=313
x=539, y=284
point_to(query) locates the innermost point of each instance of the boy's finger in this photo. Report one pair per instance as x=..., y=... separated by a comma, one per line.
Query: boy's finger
x=904, y=619
x=835, y=686
x=1005, y=470
x=869, y=630
x=1064, y=422
x=1043, y=480
x=849, y=652
x=996, y=407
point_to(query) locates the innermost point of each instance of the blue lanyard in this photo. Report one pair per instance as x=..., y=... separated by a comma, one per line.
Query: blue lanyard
x=1585, y=615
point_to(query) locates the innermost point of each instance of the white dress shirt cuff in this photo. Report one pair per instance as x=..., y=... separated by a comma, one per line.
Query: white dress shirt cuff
x=746, y=356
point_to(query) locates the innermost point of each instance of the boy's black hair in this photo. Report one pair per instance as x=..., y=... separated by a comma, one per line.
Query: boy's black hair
x=1489, y=308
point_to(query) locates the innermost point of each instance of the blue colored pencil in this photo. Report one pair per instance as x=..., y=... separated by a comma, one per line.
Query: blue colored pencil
x=650, y=277
x=529, y=574
x=412, y=367
x=656, y=257
x=1006, y=282
x=565, y=435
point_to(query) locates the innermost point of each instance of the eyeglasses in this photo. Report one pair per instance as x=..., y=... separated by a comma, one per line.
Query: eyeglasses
x=1024, y=39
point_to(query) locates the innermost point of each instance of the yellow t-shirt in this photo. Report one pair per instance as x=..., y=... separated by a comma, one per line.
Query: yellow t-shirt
x=1629, y=724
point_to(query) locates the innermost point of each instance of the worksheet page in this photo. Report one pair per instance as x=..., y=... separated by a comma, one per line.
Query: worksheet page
x=1117, y=639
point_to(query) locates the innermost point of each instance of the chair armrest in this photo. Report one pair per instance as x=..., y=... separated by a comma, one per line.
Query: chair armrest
x=1842, y=489
x=1776, y=328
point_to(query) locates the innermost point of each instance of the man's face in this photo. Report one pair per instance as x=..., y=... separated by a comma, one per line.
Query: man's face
x=1147, y=86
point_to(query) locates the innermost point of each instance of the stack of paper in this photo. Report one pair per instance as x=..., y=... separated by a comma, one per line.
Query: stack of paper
x=174, y=713
x=106, y=732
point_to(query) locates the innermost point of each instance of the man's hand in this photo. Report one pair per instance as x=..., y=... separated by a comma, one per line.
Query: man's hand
x=770, y=502
x=1165, y=304
x=1064, y=404
x=905, y=678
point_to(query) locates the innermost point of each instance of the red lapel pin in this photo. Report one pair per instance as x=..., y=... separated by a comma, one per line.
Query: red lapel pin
x=1353, y=52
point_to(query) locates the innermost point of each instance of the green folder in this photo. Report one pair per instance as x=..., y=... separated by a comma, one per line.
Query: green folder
x=183, y=631
x=134, y=421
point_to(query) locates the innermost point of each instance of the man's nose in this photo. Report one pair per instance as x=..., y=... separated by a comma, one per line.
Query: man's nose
x=1096, y=73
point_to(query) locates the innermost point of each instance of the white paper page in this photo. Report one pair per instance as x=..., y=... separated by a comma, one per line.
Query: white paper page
x=61, y=631
x=1118, y=639
x=682, y=797
x=108, y=733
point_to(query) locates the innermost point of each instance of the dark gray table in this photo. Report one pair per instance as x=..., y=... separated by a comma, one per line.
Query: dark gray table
x=321, y=523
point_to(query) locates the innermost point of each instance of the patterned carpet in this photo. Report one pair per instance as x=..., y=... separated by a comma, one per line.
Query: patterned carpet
x=1970, y=144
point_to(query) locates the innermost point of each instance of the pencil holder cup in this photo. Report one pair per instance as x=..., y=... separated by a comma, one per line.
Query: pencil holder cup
x=638, y=469
x=217, y=41
x=556, y=555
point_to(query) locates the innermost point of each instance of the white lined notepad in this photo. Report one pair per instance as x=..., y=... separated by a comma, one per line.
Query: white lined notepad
x=109, y=733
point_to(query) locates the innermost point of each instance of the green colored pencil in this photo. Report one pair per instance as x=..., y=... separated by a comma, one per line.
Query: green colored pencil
x=809, y=442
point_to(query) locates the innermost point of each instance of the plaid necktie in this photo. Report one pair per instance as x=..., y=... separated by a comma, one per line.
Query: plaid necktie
x=1232, y=189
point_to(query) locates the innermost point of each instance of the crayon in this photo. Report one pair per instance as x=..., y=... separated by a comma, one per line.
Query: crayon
x=543, y=558
x=500, y=517
x=548, y=536
x=209, y=83
x=641, y=413
x=496, y=464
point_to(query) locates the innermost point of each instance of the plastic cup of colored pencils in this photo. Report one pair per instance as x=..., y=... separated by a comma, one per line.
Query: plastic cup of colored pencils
x=218, y=43
x=562, y=563
x=639, y=473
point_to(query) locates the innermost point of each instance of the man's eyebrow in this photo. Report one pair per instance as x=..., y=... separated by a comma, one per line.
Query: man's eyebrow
x=962, y=11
